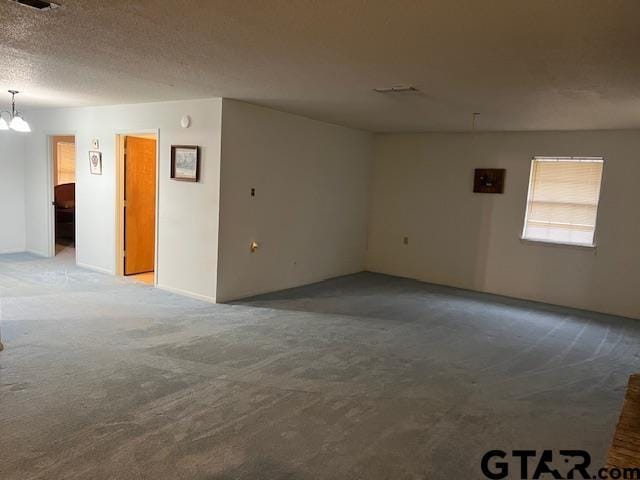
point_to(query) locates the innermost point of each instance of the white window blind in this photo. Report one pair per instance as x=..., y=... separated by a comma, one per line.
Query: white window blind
x=562, y=204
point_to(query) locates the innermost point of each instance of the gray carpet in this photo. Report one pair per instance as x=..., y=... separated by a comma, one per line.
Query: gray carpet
x=361, y=377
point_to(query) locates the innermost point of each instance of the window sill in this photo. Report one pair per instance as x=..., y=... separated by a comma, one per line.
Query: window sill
x=551, y=243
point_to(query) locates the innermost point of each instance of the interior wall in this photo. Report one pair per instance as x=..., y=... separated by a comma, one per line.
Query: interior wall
x=12, y=199
x=188, y=212
x=309, y=213
x=422, y=189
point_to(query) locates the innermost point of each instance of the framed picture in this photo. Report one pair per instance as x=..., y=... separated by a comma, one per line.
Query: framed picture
x=95, y=163
x=489, y=180
x=185, y=163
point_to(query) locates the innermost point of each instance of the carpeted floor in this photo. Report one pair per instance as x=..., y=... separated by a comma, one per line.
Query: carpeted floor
x=362, y=377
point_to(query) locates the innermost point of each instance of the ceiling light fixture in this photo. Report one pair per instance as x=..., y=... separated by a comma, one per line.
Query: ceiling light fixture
x=16, y=122
x=396, y=89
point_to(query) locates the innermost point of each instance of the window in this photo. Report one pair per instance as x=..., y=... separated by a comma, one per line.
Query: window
x=562, y=204
x=65, y=163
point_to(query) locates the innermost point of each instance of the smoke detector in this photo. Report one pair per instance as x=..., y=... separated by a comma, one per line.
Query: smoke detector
x=396, y=89
x=37, y=4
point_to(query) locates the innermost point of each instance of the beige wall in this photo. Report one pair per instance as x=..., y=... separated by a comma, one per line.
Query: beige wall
x=422, y=188
x=314, y=192
x=12, y=178
x=188, y=212
x=309, y=214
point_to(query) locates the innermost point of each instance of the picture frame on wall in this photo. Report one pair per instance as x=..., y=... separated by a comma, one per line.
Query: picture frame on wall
x=95, y=163
x=185, y=163
x=489, y=180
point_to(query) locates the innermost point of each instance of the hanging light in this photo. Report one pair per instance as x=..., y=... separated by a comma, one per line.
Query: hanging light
x=19, y=125
x=16, y=122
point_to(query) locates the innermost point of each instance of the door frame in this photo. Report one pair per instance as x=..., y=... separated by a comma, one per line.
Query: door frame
x=119, y=199
x=51, y=209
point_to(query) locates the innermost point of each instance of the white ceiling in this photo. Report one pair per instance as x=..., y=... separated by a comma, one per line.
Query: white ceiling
x=524, y=64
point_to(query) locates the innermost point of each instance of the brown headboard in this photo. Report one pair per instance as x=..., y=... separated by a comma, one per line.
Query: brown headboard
x=65, y=195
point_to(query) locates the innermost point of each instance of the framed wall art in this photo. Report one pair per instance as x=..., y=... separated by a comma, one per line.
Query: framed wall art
x=489, y=180
x=185, y=163
x=95, y=163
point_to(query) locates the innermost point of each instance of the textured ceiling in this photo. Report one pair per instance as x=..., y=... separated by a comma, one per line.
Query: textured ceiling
x=535, y=64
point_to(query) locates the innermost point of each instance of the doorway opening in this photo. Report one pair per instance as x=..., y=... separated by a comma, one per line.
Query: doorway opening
x=137, y=206
x=63, y=155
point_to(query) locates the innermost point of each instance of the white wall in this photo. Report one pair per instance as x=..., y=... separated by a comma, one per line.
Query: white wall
x=188, y=219
x=422, y=188
x=309, y=214
x=313, y=184
x=12, y=219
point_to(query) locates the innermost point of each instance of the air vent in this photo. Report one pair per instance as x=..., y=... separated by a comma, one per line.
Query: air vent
x=37, y=4
x=396, y=89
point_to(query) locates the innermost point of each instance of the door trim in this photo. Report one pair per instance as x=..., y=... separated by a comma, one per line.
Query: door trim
x=51, y=211
x=119, y=203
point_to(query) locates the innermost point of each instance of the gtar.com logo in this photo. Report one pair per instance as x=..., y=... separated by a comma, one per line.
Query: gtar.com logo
x=547, y=464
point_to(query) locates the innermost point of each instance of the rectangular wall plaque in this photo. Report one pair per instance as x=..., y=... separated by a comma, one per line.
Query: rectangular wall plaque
x=489, y=180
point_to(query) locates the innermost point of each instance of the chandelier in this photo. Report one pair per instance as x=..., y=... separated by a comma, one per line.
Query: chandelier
x=16, y=122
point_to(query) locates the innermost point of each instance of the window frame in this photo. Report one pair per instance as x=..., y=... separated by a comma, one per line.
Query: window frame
x=593, y=245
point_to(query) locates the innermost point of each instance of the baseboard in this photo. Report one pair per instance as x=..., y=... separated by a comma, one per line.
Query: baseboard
x=184, y=293
x=37, y=253
x=297, y=284
x=94, y=268
x=523, y=298
x=12, y=250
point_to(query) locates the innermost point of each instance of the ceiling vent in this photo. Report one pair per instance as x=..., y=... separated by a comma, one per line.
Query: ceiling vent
x=37, y=4
x=396, y=89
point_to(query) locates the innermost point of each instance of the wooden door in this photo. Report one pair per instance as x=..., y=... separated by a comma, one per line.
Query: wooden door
x=140, y=205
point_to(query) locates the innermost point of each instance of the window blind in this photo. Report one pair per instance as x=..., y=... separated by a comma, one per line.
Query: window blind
x=562, y=204
x=65, y=163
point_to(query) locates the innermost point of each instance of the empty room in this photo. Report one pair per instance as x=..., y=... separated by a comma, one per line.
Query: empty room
x=307, y=240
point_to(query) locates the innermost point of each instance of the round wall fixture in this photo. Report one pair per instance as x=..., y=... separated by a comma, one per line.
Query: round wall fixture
x=185, y=121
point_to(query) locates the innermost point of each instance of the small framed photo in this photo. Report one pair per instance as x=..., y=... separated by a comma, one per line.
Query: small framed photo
x=185, y=163
x=489, y=180
x=95, y=163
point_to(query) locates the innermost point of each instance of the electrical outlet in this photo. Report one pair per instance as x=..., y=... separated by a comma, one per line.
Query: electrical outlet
x=405, y=240
x=253, y=192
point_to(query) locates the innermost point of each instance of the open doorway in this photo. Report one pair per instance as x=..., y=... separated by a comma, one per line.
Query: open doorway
x=137, y=180
x=63, y=154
